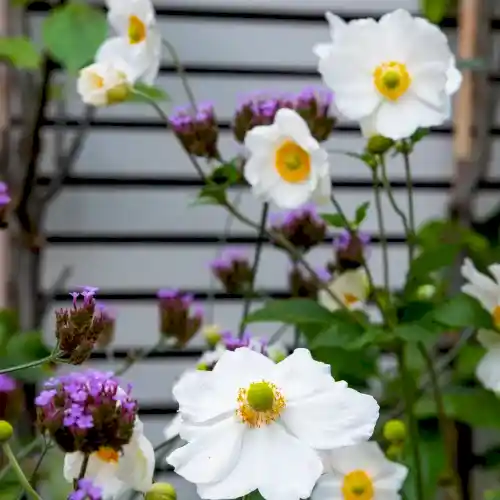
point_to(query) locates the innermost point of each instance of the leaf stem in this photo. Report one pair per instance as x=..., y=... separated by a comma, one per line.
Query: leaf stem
x=411, y=205
x=31, y=364
x=381, y=224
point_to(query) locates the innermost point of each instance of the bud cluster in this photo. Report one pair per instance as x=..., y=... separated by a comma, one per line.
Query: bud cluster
x=232, y=342
x=87, y=412
x=302, y=285
x=352, y=249
x=197, y=130
x=233, y=270
x=177, y=320
x=303, y=227
x=80, y=327
x=260, y=109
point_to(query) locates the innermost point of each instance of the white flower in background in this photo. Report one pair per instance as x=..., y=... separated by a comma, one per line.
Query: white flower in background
x=252, y=424
x=116, y=473
x=104, y=83
x=172, y=430
x=488, y=369
x=360, y=472
x=286, y=164
x=350, y=287
x=393, y=76
x=138, y=41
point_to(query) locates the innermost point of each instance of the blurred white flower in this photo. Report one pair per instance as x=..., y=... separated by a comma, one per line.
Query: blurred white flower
x=393, y=76
x=488, y=369
x=113, y=472
x=350, y=287
x=253, y=424
x=138, y=41
x=104, y=83
x=360, y=472
x=172, y=430
x=286, y=165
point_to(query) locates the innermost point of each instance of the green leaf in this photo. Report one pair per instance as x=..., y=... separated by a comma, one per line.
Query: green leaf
x=464, y=367
x=226, y=175
x=435, y=10
x=292, y=311
x=144, y=93
x=9, y=325
x=462, y=311
x=416, y=332
x=211, y=194
x=361, y=213
x=334, y=220
x=416, y=323
x=20, y=51
x=342, y=331
x=72, y=33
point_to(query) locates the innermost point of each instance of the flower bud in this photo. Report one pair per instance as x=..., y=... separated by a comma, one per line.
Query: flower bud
x=394, y=431
x=5, y=200
x=232, y=342
x=108, y=321
x=426, y=292
x=394, y=451
x=303, y=227
x=302, y=285
x=379, y=145
x=11, y=398
x=6, y=431
x=233, y=270
x=177, y=321
x=197, y=130
x=79, y=328
x=161, y=491
x=212, y=334
x=351, y=249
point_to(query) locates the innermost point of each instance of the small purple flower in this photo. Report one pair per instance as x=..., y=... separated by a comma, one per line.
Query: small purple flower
x=5, y=198
x=232, y=342
x=86, y=491
x=352, y=249
x=344, y=239
x=7, y=384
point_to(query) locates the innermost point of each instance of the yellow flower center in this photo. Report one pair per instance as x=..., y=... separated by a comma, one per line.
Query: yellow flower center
x=107, y=454
x=292, y=162
x=261, y=403
x=136, y=30
x=496, y=316
x=357, y=486
x=392, y=79
x=96, y=81
x=350, y=299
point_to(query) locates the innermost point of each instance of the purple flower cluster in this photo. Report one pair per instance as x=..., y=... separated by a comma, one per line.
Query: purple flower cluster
x=10, y=398
x=79, y=327
x=5, y=200
x=303, y=227
x=86, y=491
x=86, y=411
x=233, y=270
x=232, y=342
x=7, y=384
x=302, y=284
x=260, y=108
x=179, y=320
x=352, y=249
x=196, y=129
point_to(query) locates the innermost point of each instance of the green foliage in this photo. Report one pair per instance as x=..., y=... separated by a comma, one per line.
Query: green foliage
x=417, y=323
x=361, y=213
x=20, y=52
x=334, y=220
x=337, y=220
x=72, y=33
x=464, y=367
x=435, y=10
x=143, y=93
x=462, y=311
x=222, y=178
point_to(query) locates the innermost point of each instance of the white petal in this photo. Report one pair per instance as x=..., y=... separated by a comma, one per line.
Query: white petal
x=289, y=196
x=329, y=487
x=488, y=338
x=172, y=430
x=262, y=138
x=482, y=287
x=153, y=54
x=454, y=78
x=494, y=270
x=72, y=465
x=291, y=124
x=322, y=193
x=382, y=494
x=429, y=83
x=488, y=370
x=211, y=456
x=336, y=23
x=322, y=49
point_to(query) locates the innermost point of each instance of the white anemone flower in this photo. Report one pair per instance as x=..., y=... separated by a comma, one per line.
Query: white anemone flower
x=286, y=165
x=393, y=76
x=488, y=369
x=138, y=41
x=114, y=473
x=350, y=288
x=360, y=472
x=104, y=83
x=252, y=424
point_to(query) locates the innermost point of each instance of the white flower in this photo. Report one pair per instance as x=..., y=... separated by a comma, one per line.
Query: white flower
x=209, y=358
x=253, y=424
x=350, y=287
x=393, y=76
x=138, y=41
x=286, y=164
x=104, y=83
x=172, y=430
x=277, y=351
x=488, y=369
x=360, y=472
x=116, y=473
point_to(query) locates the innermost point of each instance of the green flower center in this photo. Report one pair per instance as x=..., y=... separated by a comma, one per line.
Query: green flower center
x=260, y=396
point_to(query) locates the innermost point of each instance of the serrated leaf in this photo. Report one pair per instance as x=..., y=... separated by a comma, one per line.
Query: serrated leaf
x=144, y=93
x=462, y=311
x=72, y=33
x=20, y=52
x=291, y=311
x=361, y=212
x=334, y=220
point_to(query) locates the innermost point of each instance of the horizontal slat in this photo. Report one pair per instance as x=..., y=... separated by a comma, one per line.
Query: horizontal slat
x=150, y=210
x=183, y=267
x=116, y=153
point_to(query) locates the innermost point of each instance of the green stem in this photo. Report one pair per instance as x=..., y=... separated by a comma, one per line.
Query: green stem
x=381, y=225
x=24, y=366
x=411, y=207
x=255, y=267
x=22, y=455
x=412, y=424
x=19, y=472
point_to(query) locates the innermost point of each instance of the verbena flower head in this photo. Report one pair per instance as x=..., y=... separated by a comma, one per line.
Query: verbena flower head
x=352, y=249
x=233, y=270
x=87, y=411
x=5, y=200
x=10, y=398
x=303, y=227
x=108, y=318
x=196, y=129
x=179, y=320
x=232, y=342
x=80, y=326
x=86, y=491
x=302, y=284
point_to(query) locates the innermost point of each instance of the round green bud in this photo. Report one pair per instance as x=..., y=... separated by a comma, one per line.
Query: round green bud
x=6, y=431
x=426, y=292
x=394, y=452
x=118, y=94
x=379, y=145
x=212, y=334
x=260, y=396
x=202, y=367
x=161, y=491
x=395, y=431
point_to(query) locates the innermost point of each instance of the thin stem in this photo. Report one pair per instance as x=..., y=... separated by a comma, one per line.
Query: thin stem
x=255, y=267
x=411, y=208
x=412, y=425
x=381, y=224
x=83, y=468
x=19, y=472
x=31, y=364
x=21, y=455
x=278, y=334
x=132, y=361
